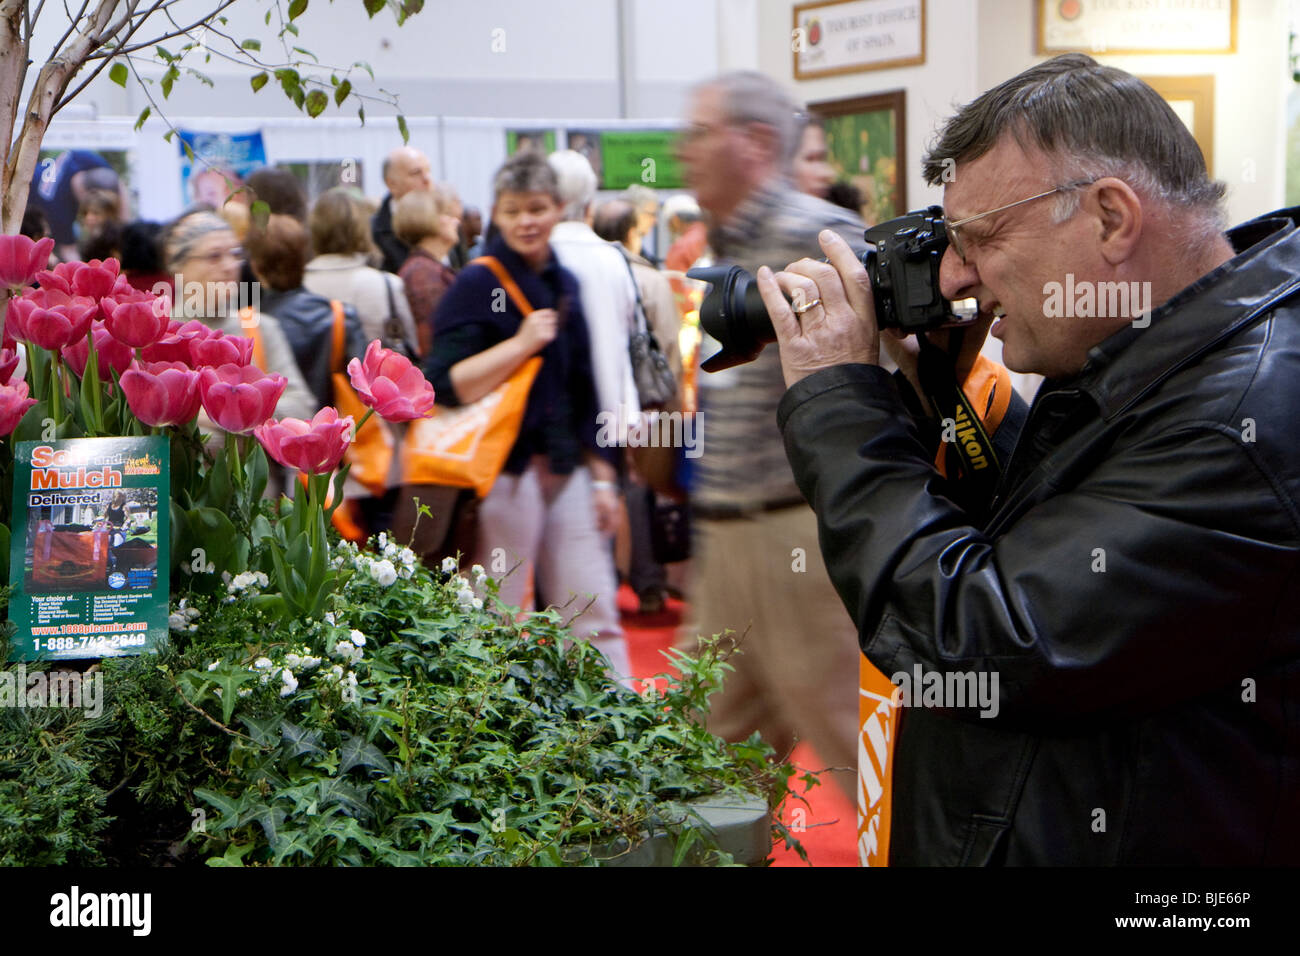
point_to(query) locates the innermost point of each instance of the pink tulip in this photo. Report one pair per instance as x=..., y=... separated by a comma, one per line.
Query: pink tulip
x=178, y=344
x=162, y=393
x=13, y=406
x=137, y=319
x=239, y=398
x=111, y=353
x=59, y=279
x=315, y=447
x=8, y=362
x=95, y=278
x=51, y=319
x=221, y=349
x=390, y=384
x=22, y=259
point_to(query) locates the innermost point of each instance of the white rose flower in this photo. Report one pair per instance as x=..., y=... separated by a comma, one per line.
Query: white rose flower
x=309, y=662
x=407, y=557
x=176, y=622
x=244, y=691
x=383, y=572
x=465, y=597
x=382, y=540
x=291, y=660
x=214, y=665
x=290, y=682
x=478, y=604
x=262, y=663
x=448, y=565
x=329, y=617
x=358, y=638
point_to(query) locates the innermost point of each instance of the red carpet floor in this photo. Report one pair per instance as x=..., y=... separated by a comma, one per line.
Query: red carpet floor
x=828, y=820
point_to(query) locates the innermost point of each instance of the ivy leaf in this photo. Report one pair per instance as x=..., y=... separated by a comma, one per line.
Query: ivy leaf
x=251, y=45
x=401, y=128
x=342, y=92
x=144, y=115
x=299, y=741
x=317, y=100
x=227, y=807
x=259, y=80
x=355, y=752
x=118, y=73
x=297, y=8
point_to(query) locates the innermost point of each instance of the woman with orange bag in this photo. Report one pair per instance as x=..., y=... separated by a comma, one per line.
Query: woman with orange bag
x=553, y=507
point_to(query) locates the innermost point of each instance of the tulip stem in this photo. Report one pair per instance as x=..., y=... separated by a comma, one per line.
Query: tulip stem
x=92, y=369
x=361, y=424
x=56, y=389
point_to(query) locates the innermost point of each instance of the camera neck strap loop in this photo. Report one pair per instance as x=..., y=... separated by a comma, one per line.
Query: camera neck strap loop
x=969, y=454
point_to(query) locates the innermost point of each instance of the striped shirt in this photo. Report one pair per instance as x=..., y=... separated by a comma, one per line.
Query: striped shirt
x=743, y=464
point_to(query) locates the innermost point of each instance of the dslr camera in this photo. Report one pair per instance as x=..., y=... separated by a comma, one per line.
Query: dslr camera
x=904, y=272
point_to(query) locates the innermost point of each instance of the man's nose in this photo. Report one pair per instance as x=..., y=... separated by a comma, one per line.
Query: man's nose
x=956, y=278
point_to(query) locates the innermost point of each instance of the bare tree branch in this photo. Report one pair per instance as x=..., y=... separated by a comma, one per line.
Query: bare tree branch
x=72, y=26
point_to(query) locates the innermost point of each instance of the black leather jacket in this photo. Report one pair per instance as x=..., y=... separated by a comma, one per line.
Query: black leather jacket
x=307, y=321
x=1134, y=588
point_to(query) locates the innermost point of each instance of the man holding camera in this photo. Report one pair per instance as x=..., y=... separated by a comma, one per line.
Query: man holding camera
x=1128, y=589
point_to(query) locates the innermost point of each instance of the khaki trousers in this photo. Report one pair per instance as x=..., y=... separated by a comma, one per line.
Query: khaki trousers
x=796, y=675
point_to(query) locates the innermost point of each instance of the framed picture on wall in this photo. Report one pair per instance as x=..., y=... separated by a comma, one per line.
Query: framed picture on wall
x=1192, y=98
x=865, y=146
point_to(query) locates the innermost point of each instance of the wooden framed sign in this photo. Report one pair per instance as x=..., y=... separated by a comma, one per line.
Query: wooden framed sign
x=1192, y=98
x=832, y=37
x=1120, y=26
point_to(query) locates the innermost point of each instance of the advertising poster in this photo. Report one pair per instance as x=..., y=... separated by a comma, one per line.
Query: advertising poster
x=220, y=165
x=523, y=140
x=89, y=547
x=640, y=157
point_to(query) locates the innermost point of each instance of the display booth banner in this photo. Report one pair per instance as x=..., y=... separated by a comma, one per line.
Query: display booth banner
x=215, y=165
x=640, y=158
x=89, y=547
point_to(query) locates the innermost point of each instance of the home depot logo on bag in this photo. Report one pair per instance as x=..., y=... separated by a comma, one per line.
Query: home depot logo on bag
x=457, y=436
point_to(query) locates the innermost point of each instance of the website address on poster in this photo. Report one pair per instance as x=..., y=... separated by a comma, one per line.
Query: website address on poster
x=90, y=628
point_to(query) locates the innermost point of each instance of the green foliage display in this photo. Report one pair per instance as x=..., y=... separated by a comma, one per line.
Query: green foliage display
x=414, y=723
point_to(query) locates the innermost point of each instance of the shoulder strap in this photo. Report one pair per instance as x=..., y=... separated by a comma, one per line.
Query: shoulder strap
x=636, y=290
x=508, y=283
x=336, y=349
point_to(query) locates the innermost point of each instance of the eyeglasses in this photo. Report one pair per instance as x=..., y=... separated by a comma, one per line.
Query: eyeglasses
x=954, y=236
x=212, y=258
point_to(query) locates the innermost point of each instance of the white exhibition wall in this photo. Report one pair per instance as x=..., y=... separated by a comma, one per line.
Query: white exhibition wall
x=588, y=61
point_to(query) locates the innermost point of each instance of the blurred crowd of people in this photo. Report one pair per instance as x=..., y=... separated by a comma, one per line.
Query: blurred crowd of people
x=332, y=275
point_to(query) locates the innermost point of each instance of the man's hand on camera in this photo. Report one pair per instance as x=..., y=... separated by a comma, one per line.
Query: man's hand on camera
x=836, y=320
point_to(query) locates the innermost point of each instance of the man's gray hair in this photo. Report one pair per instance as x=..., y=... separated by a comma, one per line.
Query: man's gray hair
x=1094, y=121
x=577, y=181
x=752, y=97
x=525, y=172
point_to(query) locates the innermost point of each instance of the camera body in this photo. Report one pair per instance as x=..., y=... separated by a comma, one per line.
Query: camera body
x=903, y=269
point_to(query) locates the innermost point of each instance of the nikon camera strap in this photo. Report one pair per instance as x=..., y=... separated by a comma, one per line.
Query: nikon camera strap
x=969, y=455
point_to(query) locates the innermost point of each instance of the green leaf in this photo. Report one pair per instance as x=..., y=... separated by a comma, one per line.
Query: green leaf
x=304, y=52
x=297, y=8
x=225, y=806
x=268, y=18
x=168, y=79
x=317, y=100
x=164, y=54
x=355, y=752
x=342, y=92
x=259, y=80
x=361, y=114
x=374, y=6
x=144, y=115
x=299, y=740
x=251, y=45
x=118, y=73
x=365, y=66
x=290, y=28
x=401, y=128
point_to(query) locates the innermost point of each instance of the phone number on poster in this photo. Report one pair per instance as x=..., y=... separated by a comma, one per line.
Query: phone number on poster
x=89, y=640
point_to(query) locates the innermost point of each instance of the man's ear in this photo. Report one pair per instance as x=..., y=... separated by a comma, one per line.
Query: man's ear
x=1118, y=213
x=763, y=143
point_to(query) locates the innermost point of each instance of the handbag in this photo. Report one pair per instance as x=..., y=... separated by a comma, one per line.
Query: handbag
x=656, y=385
x=467, y=446
x=394, y=335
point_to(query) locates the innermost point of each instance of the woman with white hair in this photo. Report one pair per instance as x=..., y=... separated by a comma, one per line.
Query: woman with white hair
x=204, y=255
